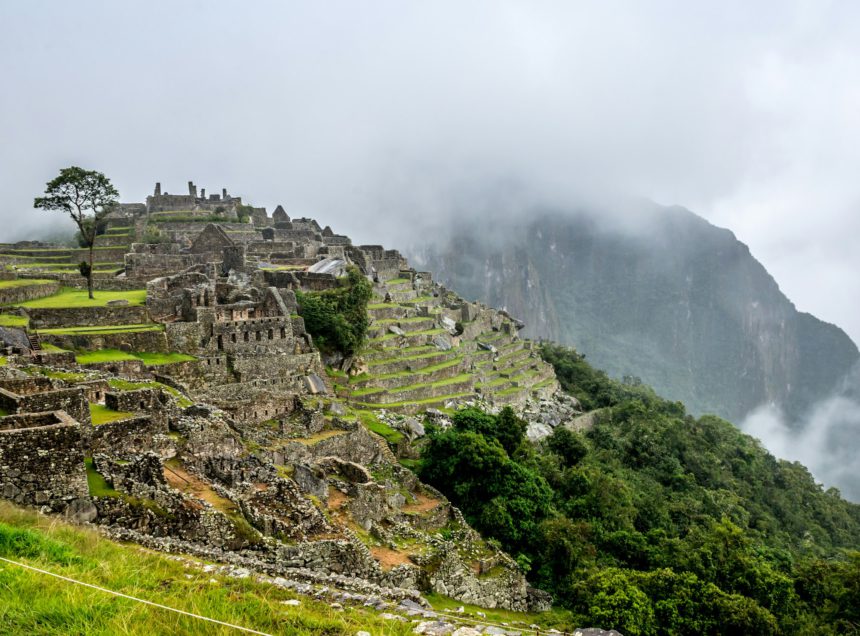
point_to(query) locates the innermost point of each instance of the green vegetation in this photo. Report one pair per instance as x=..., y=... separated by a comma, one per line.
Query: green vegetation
x=71, y=297
x=66, y=376
x=47, y=346
x=115, y=355
x=654, y=522
x=13, y=320
x=157, y=359
x=102, y=330
x=24, y=282
x=87, y=197
x=98, y=485
x=104, y=355
x=129, y=385
x=101, y=414
x=34, y=603
x=371, y=422
x=337, y=318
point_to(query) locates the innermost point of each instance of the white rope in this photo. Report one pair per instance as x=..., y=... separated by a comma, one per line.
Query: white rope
x=139, y=600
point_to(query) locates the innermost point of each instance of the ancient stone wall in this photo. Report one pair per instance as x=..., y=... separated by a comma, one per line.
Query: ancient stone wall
x=46, y=318
x=26, y=386
x=131, y=436
x=151, y=341
x=43, y=465
x=261, y=335
x=23, y=293
x=71, y=401
x=144, y=265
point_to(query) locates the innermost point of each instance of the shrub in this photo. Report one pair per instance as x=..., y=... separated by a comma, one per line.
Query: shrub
x=337, y=318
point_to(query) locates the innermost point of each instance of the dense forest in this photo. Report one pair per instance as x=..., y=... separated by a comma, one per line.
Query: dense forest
x=651, y=521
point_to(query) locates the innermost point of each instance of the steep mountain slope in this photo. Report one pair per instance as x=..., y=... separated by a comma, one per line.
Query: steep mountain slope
x=662, y=295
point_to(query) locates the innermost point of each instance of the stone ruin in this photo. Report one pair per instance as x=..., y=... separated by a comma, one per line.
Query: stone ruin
x=248, y=449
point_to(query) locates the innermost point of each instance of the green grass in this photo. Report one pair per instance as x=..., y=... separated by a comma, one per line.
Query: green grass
x=3, y=361
x=406, y=403
x=67, y=376
x=102, y=330
x=397, y=281
x=156, y=359
x=13, y=320
x=433, y=368
x=71, y=297
x=371, y=423
x=34, y=603
x=382, y=306
x=104, y=355
x=421, y=385
x=557, y=618
x=150, y=359
x=101, y=414
x=24, y=282
x=128, y=385
x=47, y=346
x=98, y=485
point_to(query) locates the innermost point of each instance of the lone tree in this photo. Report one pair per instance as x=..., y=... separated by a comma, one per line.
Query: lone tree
x=88, y=197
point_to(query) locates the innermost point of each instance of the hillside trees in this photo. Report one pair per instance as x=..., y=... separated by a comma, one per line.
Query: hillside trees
x=87, y=197
x=652, y=521
x=337, y=318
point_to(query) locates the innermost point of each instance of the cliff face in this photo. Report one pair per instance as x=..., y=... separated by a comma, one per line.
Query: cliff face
x=675, y=301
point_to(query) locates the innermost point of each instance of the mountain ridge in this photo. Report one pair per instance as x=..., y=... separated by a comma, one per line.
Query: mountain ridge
x=675, y=300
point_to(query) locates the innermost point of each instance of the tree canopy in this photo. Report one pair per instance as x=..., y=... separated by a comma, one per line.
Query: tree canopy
x=654, y=522
x=87, y=196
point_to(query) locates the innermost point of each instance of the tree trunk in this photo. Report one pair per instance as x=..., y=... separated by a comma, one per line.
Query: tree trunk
x=90, y=272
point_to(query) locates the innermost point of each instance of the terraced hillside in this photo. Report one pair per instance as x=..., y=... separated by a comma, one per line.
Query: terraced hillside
x=428, y=348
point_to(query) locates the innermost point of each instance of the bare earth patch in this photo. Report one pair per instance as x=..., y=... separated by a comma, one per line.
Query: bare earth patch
x=422, y=504
x=191, y=484
x=389, y=558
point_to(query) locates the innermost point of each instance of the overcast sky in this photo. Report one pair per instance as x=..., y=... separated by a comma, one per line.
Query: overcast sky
x=364, y=114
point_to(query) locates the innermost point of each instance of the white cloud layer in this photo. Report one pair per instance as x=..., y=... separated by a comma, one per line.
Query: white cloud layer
x=366, y=114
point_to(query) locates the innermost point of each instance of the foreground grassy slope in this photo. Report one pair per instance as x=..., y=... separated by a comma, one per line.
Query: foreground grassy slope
x=36, y=604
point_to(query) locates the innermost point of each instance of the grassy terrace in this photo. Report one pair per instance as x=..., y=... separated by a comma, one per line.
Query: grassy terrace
x=392, y=336
x=69, y=297
x=115, y=355
x=101, y=414
x=422, y=371
x=129, y=385
x=408, y=403
x=24, y=282
x=102, y=330
x=13, y=320
x=439, y=383
x=33, y=603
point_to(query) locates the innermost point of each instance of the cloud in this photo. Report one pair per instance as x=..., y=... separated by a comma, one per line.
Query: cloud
x=828, y=444
x=377, y=116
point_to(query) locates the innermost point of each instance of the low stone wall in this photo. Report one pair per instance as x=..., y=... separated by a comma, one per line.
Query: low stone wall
x=421, y=393
x=151, y=341
x=43, y=465
x=23, y=293
x=129, y=437
x=47, y=318
x=136, y=400
x=273, y=366
x=71, y=401
x=147, y=265
x=101, y=282
x=134, y=369
x=184, y=336
x=25, y=386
